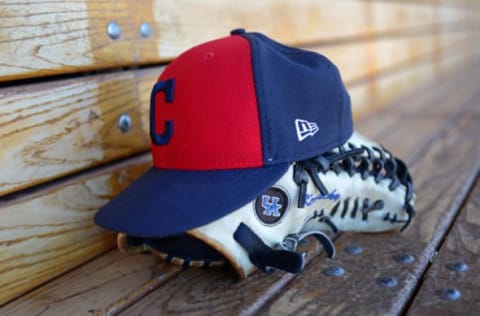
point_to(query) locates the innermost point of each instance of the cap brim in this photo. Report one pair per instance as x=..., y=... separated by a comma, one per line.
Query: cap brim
x=167, y=202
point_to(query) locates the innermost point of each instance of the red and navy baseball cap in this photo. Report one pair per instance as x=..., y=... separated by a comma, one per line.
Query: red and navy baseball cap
x=227, y=118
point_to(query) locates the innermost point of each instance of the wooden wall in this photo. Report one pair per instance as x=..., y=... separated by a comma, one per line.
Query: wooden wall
x=64, y=83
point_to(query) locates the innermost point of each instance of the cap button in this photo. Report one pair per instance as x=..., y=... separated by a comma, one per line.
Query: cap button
x=237, y=31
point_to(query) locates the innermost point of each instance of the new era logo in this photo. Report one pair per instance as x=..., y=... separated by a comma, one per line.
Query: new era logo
x=305, y=129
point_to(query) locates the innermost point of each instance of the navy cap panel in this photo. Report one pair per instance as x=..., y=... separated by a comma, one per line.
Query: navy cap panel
x=304, y=111
x=167, y=202
x=304, y=107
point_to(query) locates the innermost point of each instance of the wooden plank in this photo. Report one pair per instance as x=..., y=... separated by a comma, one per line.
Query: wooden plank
x=442, y=182
x=400, y=81
x=367, y=58
x=213, y=292
x=255, y=292
x=461, y=246
x=388, y=15
x=52, y=37
x=443, y=3
x=389, y=80
x=397, y=116
x=436, y=106
x=48, y=130
x=110, y=284
x=115, y=276
x=447, y=14
x=46, y=233
x=69, y=296
x=75, y=291
x=51, y=129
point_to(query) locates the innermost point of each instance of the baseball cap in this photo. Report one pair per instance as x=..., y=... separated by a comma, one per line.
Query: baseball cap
x=227, y=118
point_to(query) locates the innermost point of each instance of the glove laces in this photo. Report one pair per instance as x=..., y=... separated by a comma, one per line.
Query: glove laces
x=354, y=160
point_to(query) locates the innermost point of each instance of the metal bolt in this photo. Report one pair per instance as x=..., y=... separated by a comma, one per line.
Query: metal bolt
x=404, y=258
x=458, y=266
x=387, y=281
x=124, y=123
x=353, y=250
x=145, y=30
x=334, y=271
x=114, y=30
x=452, y=294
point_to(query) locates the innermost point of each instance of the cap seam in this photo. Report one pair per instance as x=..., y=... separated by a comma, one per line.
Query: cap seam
x=341, y=104
x=260, y=97
x=252, y=93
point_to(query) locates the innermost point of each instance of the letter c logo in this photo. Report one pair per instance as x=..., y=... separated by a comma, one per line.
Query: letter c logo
x=167, y=87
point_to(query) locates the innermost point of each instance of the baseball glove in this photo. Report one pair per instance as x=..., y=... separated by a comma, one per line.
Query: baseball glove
x=357, y=187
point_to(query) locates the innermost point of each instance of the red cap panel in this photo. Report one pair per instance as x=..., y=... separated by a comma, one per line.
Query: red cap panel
x=214, y=110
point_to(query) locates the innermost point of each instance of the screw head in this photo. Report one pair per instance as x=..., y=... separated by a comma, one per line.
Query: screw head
x=458, y=266
x=353, y=250
x=124, y=123
x=334, y=271
x=451, y=294
x=404, y=258
x=145, y=30
x=114, y=30
x=387, y=281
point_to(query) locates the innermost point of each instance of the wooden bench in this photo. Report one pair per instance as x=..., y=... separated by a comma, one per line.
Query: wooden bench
x=73, y=133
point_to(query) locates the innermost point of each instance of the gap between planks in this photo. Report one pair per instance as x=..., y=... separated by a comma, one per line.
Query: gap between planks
x=459, y=246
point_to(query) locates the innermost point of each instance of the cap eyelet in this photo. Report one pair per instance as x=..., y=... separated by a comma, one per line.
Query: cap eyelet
x=238, y=31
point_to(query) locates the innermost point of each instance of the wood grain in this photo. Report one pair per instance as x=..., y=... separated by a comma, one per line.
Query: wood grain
x=52, y=37
x=48, y=130
x=72, y=291
x=377, y=89
x=113, y=282
x=443, y=175
x=106, y=279
x=49, y=232
x=362, y=60
x=460, y=246
x=215, y=292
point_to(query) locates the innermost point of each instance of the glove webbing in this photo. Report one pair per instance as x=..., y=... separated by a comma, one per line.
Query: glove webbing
x=353, y=160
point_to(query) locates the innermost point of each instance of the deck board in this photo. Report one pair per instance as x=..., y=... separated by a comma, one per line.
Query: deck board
x=461, y=246
x=52, y=129
x=443, y=175
x=115, y=275
x=262, y=287
x=45, y=38
x=48, y=232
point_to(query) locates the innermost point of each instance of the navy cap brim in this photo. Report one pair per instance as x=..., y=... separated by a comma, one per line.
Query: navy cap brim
x=166, y=202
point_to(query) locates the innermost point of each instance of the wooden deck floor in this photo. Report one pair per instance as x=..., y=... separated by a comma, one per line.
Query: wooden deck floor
x=431, y=269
